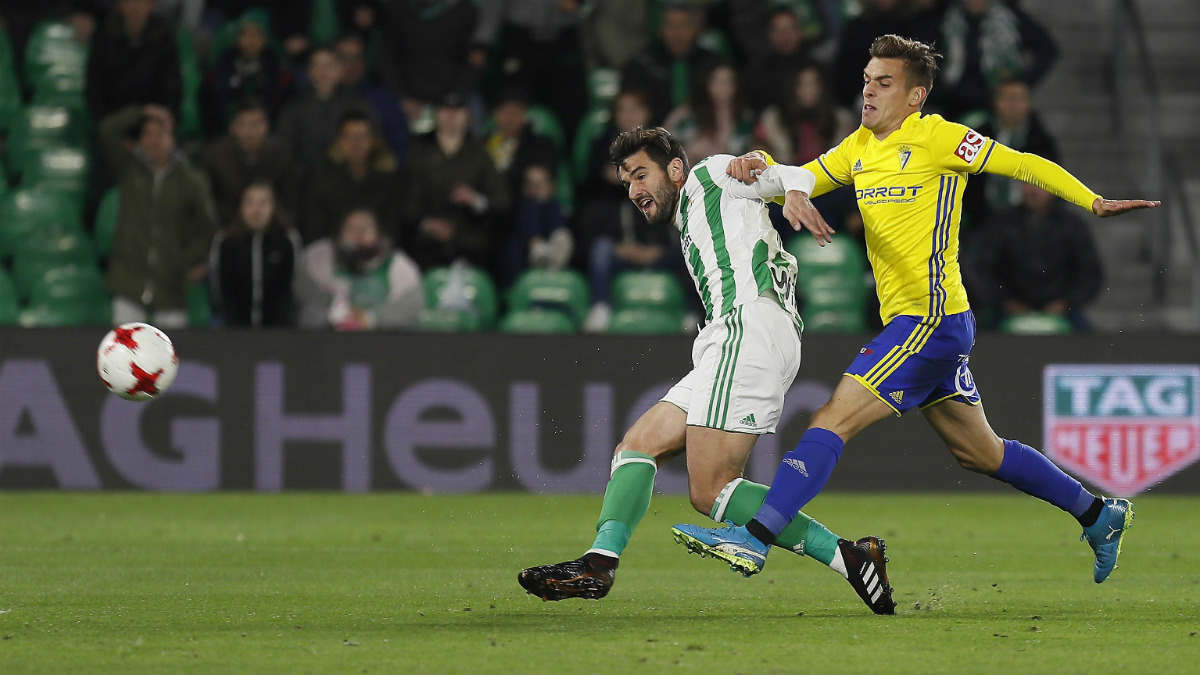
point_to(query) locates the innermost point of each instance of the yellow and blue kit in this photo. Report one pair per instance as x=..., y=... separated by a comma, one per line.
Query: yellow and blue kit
x=909, y=189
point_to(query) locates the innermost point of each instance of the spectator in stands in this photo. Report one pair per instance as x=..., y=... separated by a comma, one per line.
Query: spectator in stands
x=1039, y=257
x=624, y=241
x=538, y=43
x=424, y=49
x=133, y=60
x=358, y=173
x=248, y=155
x=667, y=68
x=360, y=18
x=514, y=146
x=248, y=69
x=986, y=42
x=914, y=19
x=165, y=223
x=807, y=123
x=613, y=31
x=309, y=121
x=254, y=263
x=1016, y=124
x=454, y=195
x=767, y=73
x=630, y=109
x=357, y=280
x=539, y=237
x=716, y=118
x=393, y=124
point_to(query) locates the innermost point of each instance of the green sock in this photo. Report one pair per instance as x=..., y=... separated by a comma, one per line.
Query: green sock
x=626, y=500
x=741, y=499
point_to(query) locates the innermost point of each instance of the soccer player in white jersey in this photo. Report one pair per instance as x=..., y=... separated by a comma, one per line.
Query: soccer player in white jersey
x=744, y=361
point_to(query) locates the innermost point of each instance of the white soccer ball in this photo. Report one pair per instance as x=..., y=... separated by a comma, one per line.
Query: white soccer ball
x=136, y=361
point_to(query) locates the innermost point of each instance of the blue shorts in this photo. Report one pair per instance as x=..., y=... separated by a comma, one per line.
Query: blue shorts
x=919, y=361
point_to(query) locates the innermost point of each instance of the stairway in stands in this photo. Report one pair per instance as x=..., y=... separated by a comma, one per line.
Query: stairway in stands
x=1075, y=104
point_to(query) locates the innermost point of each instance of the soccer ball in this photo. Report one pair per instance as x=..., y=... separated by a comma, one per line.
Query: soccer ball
x=136, y=361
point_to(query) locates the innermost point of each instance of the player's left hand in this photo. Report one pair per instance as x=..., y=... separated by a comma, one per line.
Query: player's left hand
x=1115, y=207
x=747, y=167
x=801, y=213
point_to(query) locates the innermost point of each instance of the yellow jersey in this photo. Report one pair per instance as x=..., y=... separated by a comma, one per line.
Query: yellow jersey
x=909, y=188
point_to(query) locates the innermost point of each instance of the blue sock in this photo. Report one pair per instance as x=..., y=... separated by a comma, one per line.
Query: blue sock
x=1032, y=473
x=801, y=475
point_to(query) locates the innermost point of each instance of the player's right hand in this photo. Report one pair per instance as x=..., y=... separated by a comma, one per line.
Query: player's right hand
x=800, y=212
x=747, y=167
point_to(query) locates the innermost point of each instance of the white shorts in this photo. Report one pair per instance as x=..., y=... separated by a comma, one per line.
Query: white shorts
x=742, y=365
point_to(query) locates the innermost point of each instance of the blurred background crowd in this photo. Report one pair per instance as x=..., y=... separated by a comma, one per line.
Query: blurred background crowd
x=443, y=164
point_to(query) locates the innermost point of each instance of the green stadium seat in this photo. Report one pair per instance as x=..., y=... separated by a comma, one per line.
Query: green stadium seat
x=564, y=291
x=61, y=87
x=63, y=169
x=830, y=278
x=69, y=247
x=437, y=320
x=66, y=315
x=37, y=128
x=10, y=308
x=545, y=123
x=1036, y=324
x=537, y=321
x=648, y=289
x=472, y=291
x=105, y=227
x=28, y=212
x=646, y=321
x=52, y=46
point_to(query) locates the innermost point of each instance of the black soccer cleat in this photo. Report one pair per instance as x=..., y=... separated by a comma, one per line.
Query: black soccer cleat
x=570, y=579
x=866, y=567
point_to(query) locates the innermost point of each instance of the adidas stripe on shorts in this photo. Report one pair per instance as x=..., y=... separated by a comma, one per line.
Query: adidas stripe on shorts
x=742, y=365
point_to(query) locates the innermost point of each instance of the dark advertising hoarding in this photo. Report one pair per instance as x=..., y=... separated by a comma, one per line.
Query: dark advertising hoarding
x=462, y=413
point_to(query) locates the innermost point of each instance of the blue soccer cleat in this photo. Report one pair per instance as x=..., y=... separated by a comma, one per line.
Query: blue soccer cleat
x=1105, y=535
x=734, y=545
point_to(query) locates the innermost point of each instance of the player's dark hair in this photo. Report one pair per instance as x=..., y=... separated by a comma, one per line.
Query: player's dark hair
x=658, y=143
x=920, y=60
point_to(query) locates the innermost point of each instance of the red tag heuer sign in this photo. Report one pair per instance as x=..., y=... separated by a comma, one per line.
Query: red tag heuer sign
x=1123, y=427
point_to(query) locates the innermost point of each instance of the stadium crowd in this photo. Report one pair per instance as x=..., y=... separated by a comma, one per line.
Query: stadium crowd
x=443, y=164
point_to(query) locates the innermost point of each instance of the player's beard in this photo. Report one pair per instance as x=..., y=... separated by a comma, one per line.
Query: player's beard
x=666, y=198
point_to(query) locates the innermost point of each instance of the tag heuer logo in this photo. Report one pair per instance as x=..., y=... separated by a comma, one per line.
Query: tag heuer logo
x=896, y=396
x=905, y=153
x=1122, y=427
x=857, y=165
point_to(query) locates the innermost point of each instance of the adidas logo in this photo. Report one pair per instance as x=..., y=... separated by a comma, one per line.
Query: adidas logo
x=857, y=165
x=797, y=465
x=896, y=396
x=748, y=421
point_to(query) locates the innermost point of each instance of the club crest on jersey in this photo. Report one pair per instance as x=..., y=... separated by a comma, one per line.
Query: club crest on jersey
x=905, y=154
x=857, y=166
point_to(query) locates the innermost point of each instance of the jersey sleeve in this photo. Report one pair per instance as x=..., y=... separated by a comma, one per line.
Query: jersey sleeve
x=772, y=184
x=959, y=148
x=832, y=169
x=1028, y=167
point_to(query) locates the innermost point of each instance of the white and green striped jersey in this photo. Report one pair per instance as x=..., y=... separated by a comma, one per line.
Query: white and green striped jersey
x=731, y=249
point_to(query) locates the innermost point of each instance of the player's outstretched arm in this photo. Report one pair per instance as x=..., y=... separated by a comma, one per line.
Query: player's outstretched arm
x=1106, y=208
x=797, y=207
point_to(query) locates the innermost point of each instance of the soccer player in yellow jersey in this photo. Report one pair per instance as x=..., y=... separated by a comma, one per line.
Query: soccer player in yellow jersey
x=908, y=172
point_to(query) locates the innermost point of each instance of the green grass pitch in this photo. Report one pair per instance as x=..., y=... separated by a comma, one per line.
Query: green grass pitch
x=404, y=583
